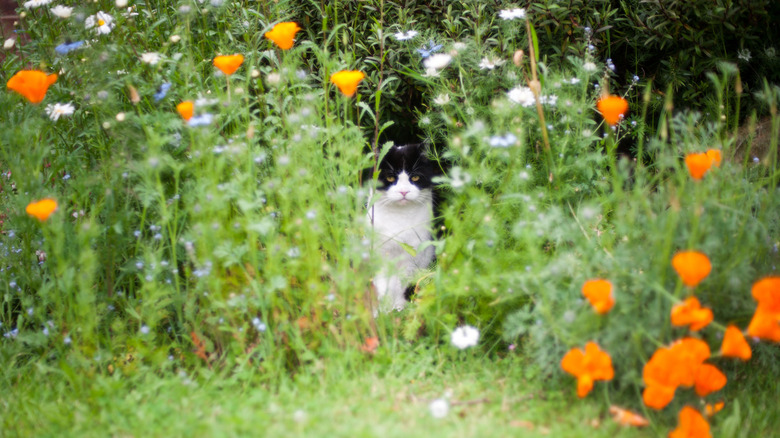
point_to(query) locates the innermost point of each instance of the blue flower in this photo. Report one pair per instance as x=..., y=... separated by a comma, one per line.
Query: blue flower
x=429, y=50
x=162, y=91
x=64, y=48
x=201, y=120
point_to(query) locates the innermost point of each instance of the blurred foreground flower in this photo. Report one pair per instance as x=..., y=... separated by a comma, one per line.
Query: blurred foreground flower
x=715, y=155
x=712, y=409
x=59, y=109
x=588, y=366
x=186, y=109
x=228, y=64
x=690, y=313
x=42, y=209
x=599, y=294
x=102, y=22
x=624, y=417
x=283, y=34
x=766, y=320
x=691, y=425
x=439, y=408
x=691, y=266
x=464, y=337
x=64, y=48
x=698, y=164
x=31, y=84
x=347, y=81
x=612, y=108
x=735, y=345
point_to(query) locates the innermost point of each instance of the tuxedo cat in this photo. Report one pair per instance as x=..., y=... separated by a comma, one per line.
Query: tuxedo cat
x=401, y=213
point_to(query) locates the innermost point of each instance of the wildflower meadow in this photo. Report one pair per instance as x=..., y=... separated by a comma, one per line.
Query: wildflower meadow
x=185, y=249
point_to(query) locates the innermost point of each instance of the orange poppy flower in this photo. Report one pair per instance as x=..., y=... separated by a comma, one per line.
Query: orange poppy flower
x=347, y=81
x=186, y=109
x=228, y=64
x=370, y=345
x=31, y=84
x=670, y=367
x=688, y=355
x=588, y=366
x=715, y=155
x=599, y=293
x=691, y=266
x=735, y=345
x=624, y=417
x=698, y=164
x=691, y=425
x=690, y=312
x=612, y=108
x=764, y=325
x=712, y=409
x=767, y=292
x=42, y=209
x=283, y=34
x=658, y=396
x=709, y=379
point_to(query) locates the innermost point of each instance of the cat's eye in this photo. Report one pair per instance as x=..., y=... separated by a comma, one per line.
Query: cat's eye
x=415, y=178
x=390, y=178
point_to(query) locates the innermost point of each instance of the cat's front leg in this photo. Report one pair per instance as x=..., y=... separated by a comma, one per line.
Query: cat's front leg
x=389, y=292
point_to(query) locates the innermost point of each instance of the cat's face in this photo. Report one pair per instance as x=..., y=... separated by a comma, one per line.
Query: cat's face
x=405, y=175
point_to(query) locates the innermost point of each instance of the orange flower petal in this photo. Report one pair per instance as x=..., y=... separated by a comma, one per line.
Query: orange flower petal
x=712, y=409
x=735, y=345
x=624, y=417
x=709, y=379
x=588, y=366
x=347, y=81
x=370, y=345
x=186, y=109
x=612, y=108
x=31, y=84
x=584, y=385
x=228, y=64
x=764, y=325
x=767, y=292
x=691, y=266
x=715, y=155
x=690, y=312
x=691, y=425
x=658, y=396
x=698, y=165
x=599, y=293
x=42, y=209
x=283, y=34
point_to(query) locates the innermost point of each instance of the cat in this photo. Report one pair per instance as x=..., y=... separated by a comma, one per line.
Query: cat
x=401, y=215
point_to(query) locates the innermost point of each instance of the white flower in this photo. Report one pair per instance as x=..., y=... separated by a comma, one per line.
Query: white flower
x=459, y=46
x=151, y=58
x=442, y=99
x=439, y=408
x=522, y=95
x=437, y=61
x=589, y=66
x=743, y=54
x=502, y=141
x=121, y=3
x=465, y=336
x=431, y=73
x=32, y=4
x=120, y=117
x=174, y=39
x=548, y=100
x=9, y=44
x=59, y=109
x=403, y=36
x=62, y=11
x=574, y=81
x=490, y=63
x=511, y=14
x=101, y=21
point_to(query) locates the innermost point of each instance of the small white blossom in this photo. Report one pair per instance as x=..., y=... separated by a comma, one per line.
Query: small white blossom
x=464, y=337
x=9, y=44
x=437, y=61
x=744, y=55
x=174, y=39
x=102, y=22
x=431, y=73
x=151, y=58
x=439, y=408
x=511, y=14
x=522, y=95
x=120, y=117
x=589, y=66
x=32, y=4
x=442, y=99
x=121, y=3
x=502, y=141
x=491, y=63
x=459, y=46
x=403, y=36
x=59, y=109
x=62, y=11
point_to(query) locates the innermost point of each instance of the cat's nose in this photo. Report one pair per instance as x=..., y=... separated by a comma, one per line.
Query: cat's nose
x=403, y=194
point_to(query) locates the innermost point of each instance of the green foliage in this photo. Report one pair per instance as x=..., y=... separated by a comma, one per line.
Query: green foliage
x=242, y=246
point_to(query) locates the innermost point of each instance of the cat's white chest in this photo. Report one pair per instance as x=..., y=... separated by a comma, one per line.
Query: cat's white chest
x=396, y=225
